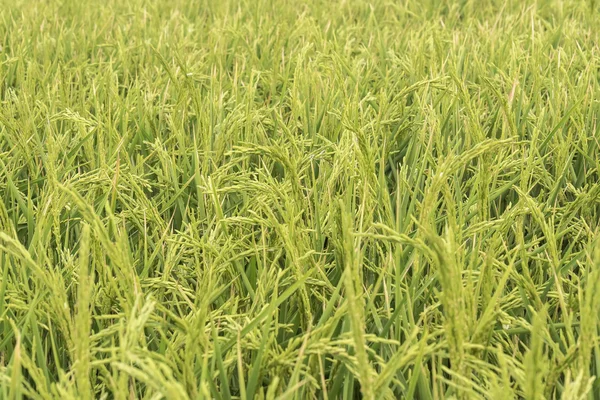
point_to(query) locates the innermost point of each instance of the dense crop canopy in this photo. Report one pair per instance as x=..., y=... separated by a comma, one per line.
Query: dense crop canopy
x=299, y=199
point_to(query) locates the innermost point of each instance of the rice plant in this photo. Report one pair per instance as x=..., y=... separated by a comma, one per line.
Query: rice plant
x=219, y=199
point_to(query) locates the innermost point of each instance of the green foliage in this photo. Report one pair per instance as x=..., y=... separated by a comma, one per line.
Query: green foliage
x=310, y=199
